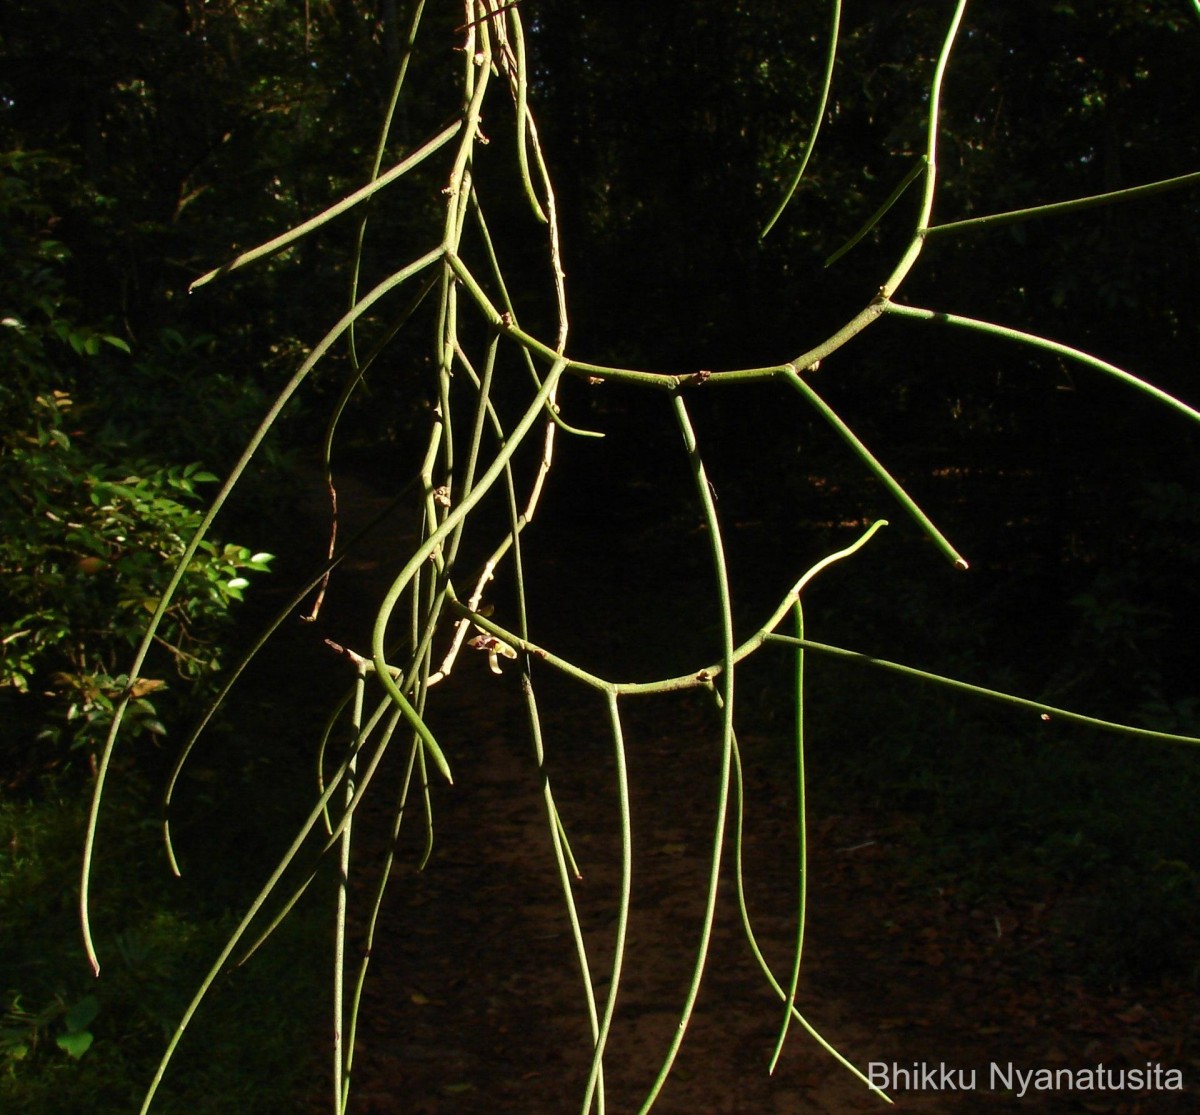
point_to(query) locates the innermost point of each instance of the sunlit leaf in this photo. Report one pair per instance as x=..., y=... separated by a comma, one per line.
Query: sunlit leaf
x=74, y=1044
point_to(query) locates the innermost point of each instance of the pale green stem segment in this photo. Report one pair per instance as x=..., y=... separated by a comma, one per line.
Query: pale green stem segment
x=566, y=868
x=235, y=674
x=498, y=276
x=523, y=118
x=1048, y=712
x=721, y=573
x=881, y=212
x=373, y=922
x=660, y=380
x=668, y=382
x=868, y=458
x=741, y=375
x=380, y=147
x=935, y=110
x=333, y=833
x=801, y=844
x=764, y=967
x=610, y=1003
x=701, y=677
x=935, y=104
x=1053, y=209
x=1049, y=346
x=422, y=768
x=343, y=898
x=431, y=546
x=818, y=116
x=284, y=239
x=189, y=552
x=260, y=899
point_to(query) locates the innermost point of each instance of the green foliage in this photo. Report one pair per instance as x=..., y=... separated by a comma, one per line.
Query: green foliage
x=164, y=112
x=91, y=522
x=71, y=1043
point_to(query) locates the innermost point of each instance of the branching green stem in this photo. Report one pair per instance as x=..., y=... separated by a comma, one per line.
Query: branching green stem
x=256, y=906
x=802, y=845
x=610, y=1003
x=189, y=552
x=725, y=604
x=1049, y=346
x=701, y=677
x=1054, y=209
x=764, y=967
x=1048, y=712
x=427, y=549
x=456, y=474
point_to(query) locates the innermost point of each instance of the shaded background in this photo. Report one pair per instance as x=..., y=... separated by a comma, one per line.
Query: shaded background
x=146, y=142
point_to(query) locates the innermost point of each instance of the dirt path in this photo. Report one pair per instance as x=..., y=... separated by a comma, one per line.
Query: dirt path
x=475, y=1001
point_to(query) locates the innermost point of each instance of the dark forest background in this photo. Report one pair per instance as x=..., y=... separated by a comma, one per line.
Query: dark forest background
x=143, y=142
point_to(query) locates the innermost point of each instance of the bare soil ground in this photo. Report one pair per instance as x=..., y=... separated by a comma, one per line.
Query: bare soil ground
x=475, y=1001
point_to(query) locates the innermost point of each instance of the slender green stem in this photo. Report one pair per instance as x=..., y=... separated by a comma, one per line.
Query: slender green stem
x=721, y=575
x=867, y=457
x=284, y=239
x=1048, y=712
x=881, y=212
x=502, y=286
x=818, y=116
x=566, y=868
x=610, y=1002
x=697, y=678
x=935, y=110
x=260, y=641
x=521, y=80
x=1053, y=209
x=752, y=941
x=168, y=594
x=1049, y=346
x=662, y=381
x=741, y=375
x=427, y=549
x=801, y=842
x=909, y=258
x=343, y=898
x=385, y=130
x=253, y=910
x=384, y=708
x=385, y=872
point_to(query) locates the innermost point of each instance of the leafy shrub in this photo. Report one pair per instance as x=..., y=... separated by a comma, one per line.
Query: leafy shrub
x=89, y=532
x=70, y=1042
